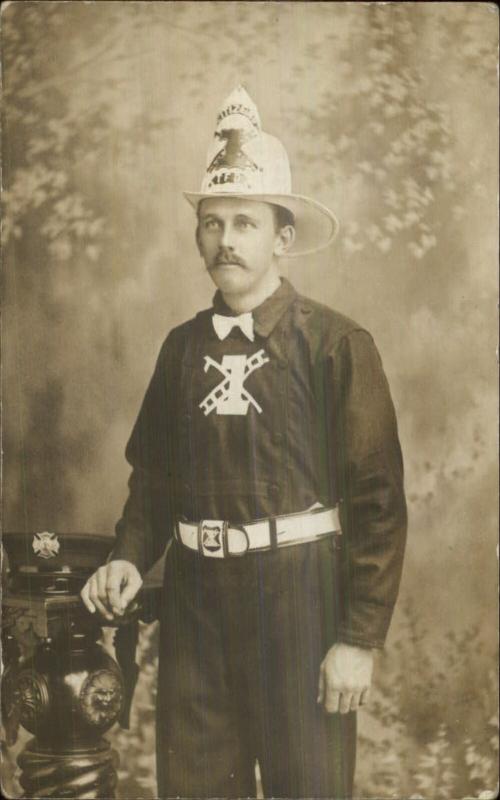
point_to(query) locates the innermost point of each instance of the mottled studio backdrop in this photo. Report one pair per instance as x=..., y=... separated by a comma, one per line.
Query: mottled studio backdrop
x=389, y=114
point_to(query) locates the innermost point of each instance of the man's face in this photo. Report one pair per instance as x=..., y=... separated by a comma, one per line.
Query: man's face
x=239, y=242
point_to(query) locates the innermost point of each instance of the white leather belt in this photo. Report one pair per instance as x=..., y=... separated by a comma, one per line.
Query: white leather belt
x=217, y=538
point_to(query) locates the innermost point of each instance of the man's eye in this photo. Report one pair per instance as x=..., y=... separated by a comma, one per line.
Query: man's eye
x=211, y=224
x=245, y=223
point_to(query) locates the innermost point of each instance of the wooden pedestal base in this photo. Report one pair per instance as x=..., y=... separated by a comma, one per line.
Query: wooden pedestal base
x=84, y=774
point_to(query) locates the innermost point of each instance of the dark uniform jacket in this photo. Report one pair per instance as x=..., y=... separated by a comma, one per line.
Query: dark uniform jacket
x=239, y=430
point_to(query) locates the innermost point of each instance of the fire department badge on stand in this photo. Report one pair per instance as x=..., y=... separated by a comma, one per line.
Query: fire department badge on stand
x=45, y=545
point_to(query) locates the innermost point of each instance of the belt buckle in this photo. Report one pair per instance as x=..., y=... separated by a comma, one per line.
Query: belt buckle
x=212, y=538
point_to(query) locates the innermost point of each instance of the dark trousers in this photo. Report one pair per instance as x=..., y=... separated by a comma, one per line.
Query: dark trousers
x=241, y=644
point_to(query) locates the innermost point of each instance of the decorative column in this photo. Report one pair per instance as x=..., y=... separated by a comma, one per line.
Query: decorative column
x=59, y=683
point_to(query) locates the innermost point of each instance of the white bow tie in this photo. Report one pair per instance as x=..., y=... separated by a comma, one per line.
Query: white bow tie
x=223, y=325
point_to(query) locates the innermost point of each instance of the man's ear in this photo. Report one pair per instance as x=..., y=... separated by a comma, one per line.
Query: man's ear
x=197, y=237
x=284, y=240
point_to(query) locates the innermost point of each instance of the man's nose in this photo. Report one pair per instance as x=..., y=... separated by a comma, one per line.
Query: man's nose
x=227, y=237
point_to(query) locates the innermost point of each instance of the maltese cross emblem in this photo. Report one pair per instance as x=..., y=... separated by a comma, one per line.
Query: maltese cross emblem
x=45, y=544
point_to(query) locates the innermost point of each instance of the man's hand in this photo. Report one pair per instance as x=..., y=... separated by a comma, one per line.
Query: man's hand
x=345, y=677
x=111, y=588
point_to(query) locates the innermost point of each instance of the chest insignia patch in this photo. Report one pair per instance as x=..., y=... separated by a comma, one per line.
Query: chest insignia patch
x=230, y=396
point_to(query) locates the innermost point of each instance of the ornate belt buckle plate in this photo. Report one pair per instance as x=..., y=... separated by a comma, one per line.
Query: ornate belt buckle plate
x=212, y=537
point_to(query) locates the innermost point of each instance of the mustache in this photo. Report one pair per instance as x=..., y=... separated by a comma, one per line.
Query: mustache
x=226, y=256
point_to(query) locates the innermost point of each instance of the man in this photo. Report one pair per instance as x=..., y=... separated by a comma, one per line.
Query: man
x=267, y=449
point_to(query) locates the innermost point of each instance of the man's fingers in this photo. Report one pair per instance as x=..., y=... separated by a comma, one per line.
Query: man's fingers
x=102, y=579
x=355, y=701
x=134, y=583
x=332, y=701
x=113, y=588
x=321, y=687
x=365, y=696
x=345, y=702
x=94, y=594
x=84, y=594
x=105, y=612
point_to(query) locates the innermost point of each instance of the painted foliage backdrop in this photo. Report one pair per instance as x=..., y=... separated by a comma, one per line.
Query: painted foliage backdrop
x=389, y=114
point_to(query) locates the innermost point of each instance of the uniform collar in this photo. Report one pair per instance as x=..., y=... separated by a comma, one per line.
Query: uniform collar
x=267, y=315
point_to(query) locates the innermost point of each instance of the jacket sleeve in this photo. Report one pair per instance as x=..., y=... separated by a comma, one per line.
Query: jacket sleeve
x=147, y=520
x=368, y=469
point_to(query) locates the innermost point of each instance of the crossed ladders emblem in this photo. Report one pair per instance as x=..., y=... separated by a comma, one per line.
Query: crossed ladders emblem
x=230, y=396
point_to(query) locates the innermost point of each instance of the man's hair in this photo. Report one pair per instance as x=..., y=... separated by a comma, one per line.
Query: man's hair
x=282, y=217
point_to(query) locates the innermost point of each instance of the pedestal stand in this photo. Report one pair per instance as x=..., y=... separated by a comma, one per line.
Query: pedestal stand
x=59, y=683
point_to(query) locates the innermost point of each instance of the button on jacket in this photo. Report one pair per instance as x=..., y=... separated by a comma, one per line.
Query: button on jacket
x=237, y=430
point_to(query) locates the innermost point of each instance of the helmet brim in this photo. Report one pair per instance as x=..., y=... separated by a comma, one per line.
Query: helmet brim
x=315, y=225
